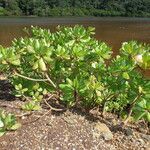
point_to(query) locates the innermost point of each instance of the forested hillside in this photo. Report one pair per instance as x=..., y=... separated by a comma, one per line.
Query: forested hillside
x=137, y=8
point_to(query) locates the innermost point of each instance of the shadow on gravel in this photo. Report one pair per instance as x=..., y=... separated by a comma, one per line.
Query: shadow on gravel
x=93, y=118
x=85, y=113
x=5, y=91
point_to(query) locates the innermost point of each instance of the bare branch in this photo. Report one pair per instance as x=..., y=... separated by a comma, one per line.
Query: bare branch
x=28, y=78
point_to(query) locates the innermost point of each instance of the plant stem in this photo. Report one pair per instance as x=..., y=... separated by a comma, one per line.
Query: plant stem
x=131, y=108
x=52, y=108
x=76, y=97
x=28, y=78
x=50, y=81
x=103, y=110
x=108, y=98
x=37, y=80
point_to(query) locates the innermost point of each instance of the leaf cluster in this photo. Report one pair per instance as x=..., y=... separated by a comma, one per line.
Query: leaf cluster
x=8, y=122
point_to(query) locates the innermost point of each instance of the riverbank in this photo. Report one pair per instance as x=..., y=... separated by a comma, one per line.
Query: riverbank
x=74, y=129
x=22, y=19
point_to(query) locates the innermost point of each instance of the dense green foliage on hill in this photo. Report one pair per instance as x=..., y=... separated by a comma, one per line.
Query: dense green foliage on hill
x=137, y=8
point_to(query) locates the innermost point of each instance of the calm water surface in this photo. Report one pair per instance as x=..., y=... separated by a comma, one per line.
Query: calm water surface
x=111, y=30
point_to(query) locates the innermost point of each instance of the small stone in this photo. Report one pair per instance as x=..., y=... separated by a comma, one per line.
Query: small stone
x=146, y=137
x=101, y=130
x=141, y=141
x=107, y=136
x=70, y=119
x=4, y=143
x=2, y=77
x=48, y=124
x=130, y=138
x=128, y=132
x=142, y=129
x=114, y=121
x=148, y=147
x=23, y=117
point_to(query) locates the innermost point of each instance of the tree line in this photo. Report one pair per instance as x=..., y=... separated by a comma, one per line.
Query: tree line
x=135, y=8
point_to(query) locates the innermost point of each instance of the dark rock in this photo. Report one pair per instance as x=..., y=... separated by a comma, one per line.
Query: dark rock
x=129, y=132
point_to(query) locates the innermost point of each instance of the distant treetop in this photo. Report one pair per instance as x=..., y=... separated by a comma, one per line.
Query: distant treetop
x=135, y=8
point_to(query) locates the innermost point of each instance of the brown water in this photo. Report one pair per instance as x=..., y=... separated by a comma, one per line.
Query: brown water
x=114, y=31
x=111, y=30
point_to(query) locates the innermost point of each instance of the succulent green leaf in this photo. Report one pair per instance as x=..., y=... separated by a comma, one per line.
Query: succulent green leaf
x=148, y=117
x=2, y=132
x=42, y=65
x=1, y=123
x=126, y=76
x=15, y=126
x=15, y=62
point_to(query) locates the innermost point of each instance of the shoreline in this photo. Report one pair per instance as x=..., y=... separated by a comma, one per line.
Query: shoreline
x=65, y=20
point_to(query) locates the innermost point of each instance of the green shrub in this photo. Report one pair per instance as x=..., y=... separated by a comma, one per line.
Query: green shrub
x=2, y=11
x=55, y=12
x=71, y=63
x=7, y=122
